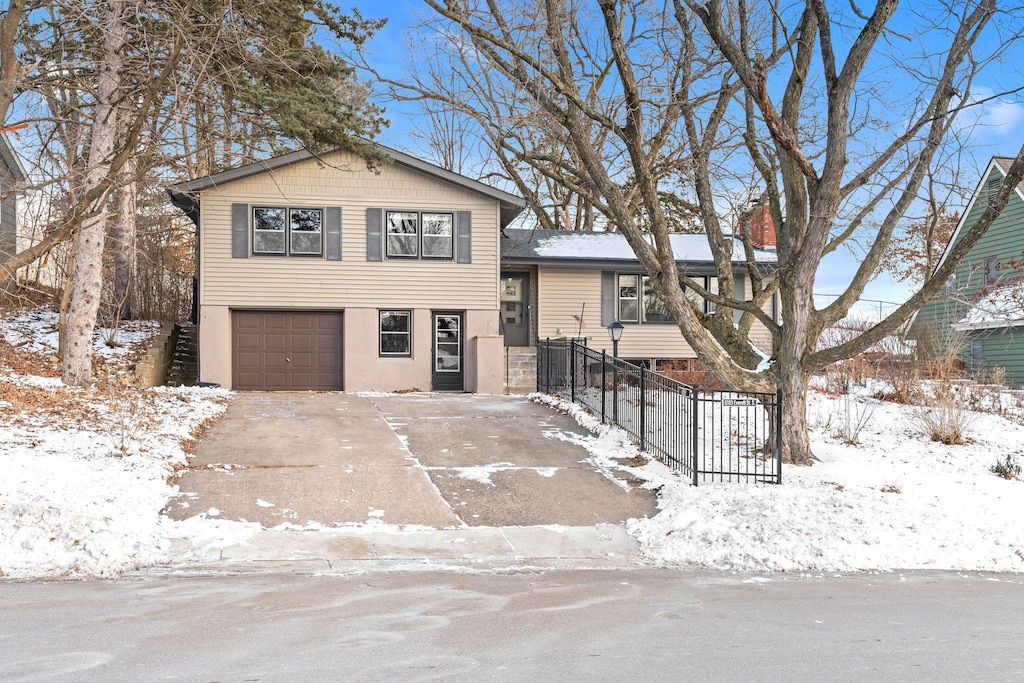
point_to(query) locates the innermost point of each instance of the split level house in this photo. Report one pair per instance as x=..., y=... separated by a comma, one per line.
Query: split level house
x=979, y=316
x=321, y=274
x=563, y=283
x=12, y=175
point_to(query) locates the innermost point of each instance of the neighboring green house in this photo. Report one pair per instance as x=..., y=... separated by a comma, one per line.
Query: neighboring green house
x=12, y=174
x=980, y=315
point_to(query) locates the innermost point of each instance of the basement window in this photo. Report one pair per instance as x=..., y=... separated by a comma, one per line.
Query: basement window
x=396, y=333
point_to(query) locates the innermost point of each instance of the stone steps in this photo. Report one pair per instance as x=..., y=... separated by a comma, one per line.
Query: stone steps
x=521, y=369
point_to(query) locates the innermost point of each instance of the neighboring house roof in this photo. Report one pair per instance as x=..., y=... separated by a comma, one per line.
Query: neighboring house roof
x=11, y=160
x=1000, y=164
x=511, y=205
x=581, y=247
x=1004, y=164
x=999, y=307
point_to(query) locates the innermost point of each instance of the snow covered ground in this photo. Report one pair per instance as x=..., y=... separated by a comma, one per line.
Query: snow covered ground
x=35, y=332
x=85, y=471
x=895, y=501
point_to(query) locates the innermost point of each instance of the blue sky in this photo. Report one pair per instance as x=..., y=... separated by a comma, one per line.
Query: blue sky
x=1000, y=132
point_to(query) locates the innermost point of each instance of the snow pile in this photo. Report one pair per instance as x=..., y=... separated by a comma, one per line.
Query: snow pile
x=895, y=501
x=85, y=477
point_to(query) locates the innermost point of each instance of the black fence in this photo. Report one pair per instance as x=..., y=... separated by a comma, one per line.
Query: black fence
x=705, y=434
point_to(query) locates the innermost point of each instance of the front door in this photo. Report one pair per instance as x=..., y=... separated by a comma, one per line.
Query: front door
x=448, y=352
x=515, y=308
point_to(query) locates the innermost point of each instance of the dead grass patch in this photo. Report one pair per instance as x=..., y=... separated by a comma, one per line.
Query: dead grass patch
x=25, y=363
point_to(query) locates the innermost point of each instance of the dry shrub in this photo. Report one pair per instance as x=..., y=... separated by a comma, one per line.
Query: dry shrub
x=25, y=363
x=29, y=404
x=129, y=414
x=689, y=371
x=853, y=417
x=18, y=296
x=947, y=420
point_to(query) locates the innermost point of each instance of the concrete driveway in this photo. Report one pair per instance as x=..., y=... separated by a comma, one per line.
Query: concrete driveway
x=436, y=460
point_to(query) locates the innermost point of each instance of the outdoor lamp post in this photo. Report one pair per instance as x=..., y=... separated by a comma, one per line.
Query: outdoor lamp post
x=615, y=333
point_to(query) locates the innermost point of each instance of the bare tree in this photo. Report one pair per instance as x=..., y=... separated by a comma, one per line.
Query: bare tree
x=10, y=70
x=87, y=277
x=913, y=254
x=826, y=114
x=230, y=82
x=123, y=233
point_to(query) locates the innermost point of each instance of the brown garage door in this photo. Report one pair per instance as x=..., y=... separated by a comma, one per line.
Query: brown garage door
x=286, y=350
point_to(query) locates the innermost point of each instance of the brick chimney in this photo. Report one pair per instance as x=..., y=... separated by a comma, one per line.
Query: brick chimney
x=762, y=228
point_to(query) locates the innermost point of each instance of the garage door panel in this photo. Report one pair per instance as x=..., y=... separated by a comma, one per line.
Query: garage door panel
x=247, y=360
x=326, y=360
x=303, y=379
x=301, y=321
x=247, y=342
x=287, y=350
x=273, y=341
x=325, y=342
x=301, y=342
x=274, y=320
x=247, y=320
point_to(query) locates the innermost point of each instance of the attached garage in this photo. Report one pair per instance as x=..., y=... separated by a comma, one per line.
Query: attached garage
x=286, y=350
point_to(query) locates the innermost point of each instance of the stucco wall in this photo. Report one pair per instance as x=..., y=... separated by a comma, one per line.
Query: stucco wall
x=364, y=369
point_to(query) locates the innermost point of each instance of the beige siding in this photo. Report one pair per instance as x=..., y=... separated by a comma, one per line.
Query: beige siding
x=562, y=293
x=353, y=281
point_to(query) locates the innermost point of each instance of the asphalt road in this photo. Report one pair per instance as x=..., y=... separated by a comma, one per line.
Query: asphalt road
x=639, y=625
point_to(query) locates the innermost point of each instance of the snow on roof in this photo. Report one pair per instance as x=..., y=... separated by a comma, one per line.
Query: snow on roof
x=999, y=307
x=573, y=245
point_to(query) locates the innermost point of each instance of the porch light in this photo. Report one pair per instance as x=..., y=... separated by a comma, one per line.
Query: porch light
x=615, y=334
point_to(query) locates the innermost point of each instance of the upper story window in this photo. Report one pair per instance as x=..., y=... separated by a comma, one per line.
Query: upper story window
x=413, y=234
x=991, y=270
x=639, y=303
x=280, y=231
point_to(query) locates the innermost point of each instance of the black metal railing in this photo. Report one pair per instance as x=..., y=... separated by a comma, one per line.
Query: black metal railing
x=704, y=434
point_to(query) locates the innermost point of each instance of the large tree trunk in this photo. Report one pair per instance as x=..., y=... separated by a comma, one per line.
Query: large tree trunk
x=791, y=369
x=123, y=232
x=87, y=277
x=796, y=443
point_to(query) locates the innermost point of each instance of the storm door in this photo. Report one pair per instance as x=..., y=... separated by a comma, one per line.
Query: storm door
x=448, y=352
x=514, y=302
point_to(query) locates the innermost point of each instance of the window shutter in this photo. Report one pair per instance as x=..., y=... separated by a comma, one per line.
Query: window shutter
x=239, y=231
x=332, y=218
x=607, y=297
x=464, y=240
x=373, y=229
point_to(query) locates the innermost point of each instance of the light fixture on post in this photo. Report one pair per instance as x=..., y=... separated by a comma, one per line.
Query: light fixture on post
x=615, y=333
